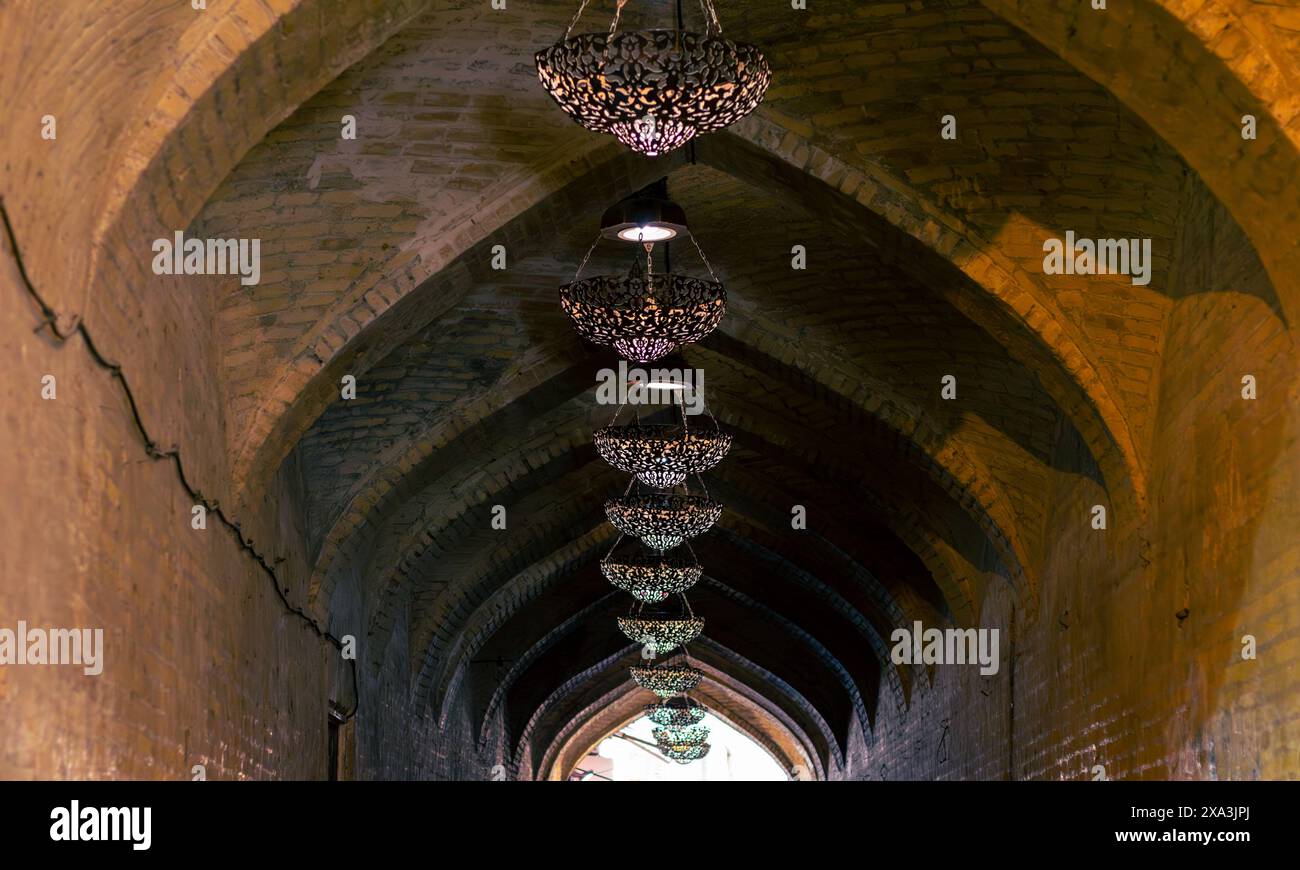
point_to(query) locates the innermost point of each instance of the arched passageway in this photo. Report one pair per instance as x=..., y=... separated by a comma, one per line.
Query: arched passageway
x=1097, y=471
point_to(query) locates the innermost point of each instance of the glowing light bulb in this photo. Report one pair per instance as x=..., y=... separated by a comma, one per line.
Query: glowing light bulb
x=647, y=234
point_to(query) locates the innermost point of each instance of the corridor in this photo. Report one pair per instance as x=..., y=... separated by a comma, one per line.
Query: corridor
x=330, y=452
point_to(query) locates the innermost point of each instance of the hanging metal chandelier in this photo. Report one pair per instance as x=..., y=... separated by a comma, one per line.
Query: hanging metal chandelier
x=678, y=731
x=668, y=680
x=654, y=90
x=661, y=454
x=651, y=577
x=659, y=636
x=644, y=316
x=662, y=520
x=676, y=711
x=685, y=754
x=681, y=736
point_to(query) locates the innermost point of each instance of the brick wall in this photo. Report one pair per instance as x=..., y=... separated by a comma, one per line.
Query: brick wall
x=1121, y=648
x=1105, y=671
x=202, y=665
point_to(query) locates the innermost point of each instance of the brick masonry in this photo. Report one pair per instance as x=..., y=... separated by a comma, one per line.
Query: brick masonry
x=487, y=653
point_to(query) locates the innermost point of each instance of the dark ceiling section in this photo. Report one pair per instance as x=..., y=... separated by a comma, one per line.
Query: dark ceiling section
x=530, y=631
x=584, y=646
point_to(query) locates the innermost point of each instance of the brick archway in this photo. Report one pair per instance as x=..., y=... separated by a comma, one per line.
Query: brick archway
x=551, y=528
x=1241, y=58
x=739, y=706
x=1103, y=425
x=562, y=594
x=579, y=696
x=1168, y=408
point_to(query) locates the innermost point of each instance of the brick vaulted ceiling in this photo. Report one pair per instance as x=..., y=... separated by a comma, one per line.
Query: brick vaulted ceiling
x=473, y=390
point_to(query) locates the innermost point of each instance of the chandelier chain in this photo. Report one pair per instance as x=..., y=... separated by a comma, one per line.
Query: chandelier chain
x=574, y=22
x=700, y=251
x=618, y=12
x=703, y=486
x=583, y=264
x=711, y=23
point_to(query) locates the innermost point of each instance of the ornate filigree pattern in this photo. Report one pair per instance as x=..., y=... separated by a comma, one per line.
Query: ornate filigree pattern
x=644, y=349
x=676, y=711
x=659, y=636
x=661, y=455
x=644, y=317
x=681, y=736
x=668, y=680
x=651, y=578
x=654, y=90
x=663, y=520
x=685, y=754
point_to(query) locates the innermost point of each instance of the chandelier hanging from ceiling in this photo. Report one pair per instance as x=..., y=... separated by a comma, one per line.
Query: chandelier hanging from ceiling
x=661, y=454
x=668, y=680
x=662, y=520
x=651, y=577
x=676, y=711
x=685, y=754
x=654, y=90
x=658, y=635
x=681, y=736
x=644, y=314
